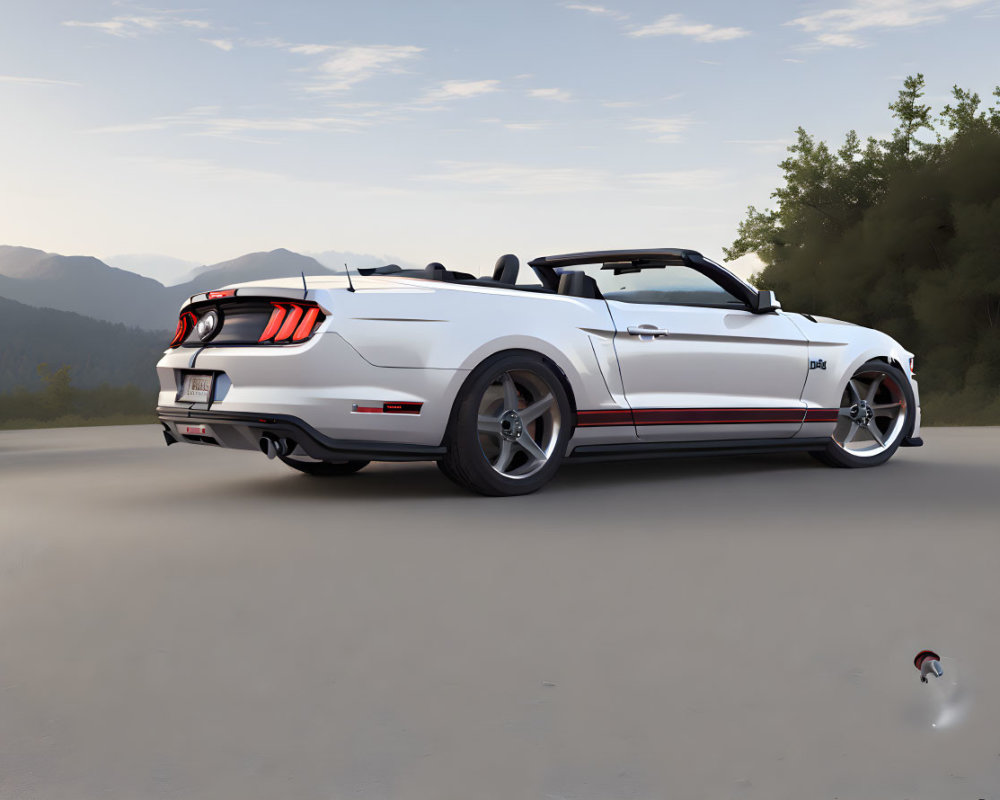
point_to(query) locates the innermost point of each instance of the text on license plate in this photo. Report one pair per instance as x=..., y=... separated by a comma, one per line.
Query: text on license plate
x=197, y=388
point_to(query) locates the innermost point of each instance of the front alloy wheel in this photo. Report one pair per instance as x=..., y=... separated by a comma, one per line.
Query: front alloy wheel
x=876, y=413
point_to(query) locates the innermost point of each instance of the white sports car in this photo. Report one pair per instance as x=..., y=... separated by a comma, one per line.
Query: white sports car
x=614, y=354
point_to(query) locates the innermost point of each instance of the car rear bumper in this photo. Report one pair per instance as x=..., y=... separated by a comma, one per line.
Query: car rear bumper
x=244, y=431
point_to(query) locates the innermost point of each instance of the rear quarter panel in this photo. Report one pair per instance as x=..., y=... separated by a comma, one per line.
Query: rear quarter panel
x=458, y=327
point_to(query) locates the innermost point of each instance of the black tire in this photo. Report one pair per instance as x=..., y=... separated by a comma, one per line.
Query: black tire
x=444, y=469
x=895, y=385
x=324, y=469
x=467, y=462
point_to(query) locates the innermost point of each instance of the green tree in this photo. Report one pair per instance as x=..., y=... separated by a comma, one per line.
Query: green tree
x=898, y=234
x=56, y=398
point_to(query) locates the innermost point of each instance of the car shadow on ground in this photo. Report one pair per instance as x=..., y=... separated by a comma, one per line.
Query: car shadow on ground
x=389, y=482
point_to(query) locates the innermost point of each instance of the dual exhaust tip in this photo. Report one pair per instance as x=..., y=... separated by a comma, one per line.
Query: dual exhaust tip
x=272, y=446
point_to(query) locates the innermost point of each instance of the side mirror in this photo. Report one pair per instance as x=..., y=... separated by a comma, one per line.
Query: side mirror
x=766, y=301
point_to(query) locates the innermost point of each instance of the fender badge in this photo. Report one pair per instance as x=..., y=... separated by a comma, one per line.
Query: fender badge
x=818, y=363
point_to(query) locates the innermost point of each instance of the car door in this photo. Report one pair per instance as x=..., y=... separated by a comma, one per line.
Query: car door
x=698, y=364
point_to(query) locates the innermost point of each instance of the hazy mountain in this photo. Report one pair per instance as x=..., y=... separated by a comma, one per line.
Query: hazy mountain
x=280, y=263
x=97, y=352
x=335, y=260
x=84, y=285
x=165, y=269
x=90, y=287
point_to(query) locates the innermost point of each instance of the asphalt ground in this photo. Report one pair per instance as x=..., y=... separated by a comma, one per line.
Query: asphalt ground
x=198, y=623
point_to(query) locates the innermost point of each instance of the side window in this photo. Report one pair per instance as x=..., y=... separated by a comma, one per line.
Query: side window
x=667, y=284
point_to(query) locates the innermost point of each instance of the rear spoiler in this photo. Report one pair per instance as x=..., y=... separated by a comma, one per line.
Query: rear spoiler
x=245, y=292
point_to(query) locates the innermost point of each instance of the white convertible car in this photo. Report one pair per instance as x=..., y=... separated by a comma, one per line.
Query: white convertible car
x=614, y=354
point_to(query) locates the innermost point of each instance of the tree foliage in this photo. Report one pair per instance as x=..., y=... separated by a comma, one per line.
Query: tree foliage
x=901, y=234
x=61, y=403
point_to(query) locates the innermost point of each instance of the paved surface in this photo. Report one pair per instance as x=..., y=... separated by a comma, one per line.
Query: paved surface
x=196, y=623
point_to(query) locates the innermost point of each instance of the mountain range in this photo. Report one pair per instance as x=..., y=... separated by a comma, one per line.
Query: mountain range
x=110, y=324
x=87, y=286
x=97, y=352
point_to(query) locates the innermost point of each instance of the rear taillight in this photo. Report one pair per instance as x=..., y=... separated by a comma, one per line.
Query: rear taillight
x=290, y=322
x=185, y=325
x=913, y=370
x=305, y=328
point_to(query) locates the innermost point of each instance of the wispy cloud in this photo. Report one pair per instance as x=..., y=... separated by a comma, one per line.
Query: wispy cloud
x=763, y=145
x=559, y=95
x=526, y=126
x=38, y=81
x=222, y=44
x=676, y=25
x=839, y=27
x=507, y=178
x=664, y=129
x=518, y=178
x=343, y=67
x=208, y=121
x=689, y=179
x=460, y=90
x=131, y=26
x=597, y=10
x=197, y=170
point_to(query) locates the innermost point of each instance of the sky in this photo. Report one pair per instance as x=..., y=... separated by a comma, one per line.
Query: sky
x=441, y=130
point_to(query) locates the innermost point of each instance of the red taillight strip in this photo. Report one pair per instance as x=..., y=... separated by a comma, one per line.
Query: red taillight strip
x=290, y=323
x=222, y=293
x=273, y=323
x=304, y=331
x=401, y=408
x=185, y=323
x=390, y=408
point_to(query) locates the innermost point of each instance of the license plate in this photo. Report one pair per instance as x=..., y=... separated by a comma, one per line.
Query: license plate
x=197, y=388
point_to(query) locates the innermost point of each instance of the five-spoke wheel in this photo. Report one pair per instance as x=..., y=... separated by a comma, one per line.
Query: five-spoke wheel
x=518, y=423
x=510, y=426
x=876, y=412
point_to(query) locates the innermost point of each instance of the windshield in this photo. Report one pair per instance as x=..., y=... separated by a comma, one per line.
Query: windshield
x=667, y=284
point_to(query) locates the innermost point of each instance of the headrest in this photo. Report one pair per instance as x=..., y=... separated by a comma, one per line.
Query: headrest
x=506, y=269
x=578, y=284
x=436, y=269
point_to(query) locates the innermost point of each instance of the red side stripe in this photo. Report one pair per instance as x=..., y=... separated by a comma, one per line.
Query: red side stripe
x=603, y=418
x=703, y=416
x=822, y=415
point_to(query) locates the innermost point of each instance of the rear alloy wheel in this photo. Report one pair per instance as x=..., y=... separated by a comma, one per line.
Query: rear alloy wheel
x=510, y=427
x=876, y=413
x=323, y=468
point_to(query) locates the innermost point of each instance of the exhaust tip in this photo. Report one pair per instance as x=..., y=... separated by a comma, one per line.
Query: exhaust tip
x=272, y=446
x=268, y=446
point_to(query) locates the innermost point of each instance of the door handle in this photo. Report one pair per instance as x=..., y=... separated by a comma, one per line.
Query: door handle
x=647, y=330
